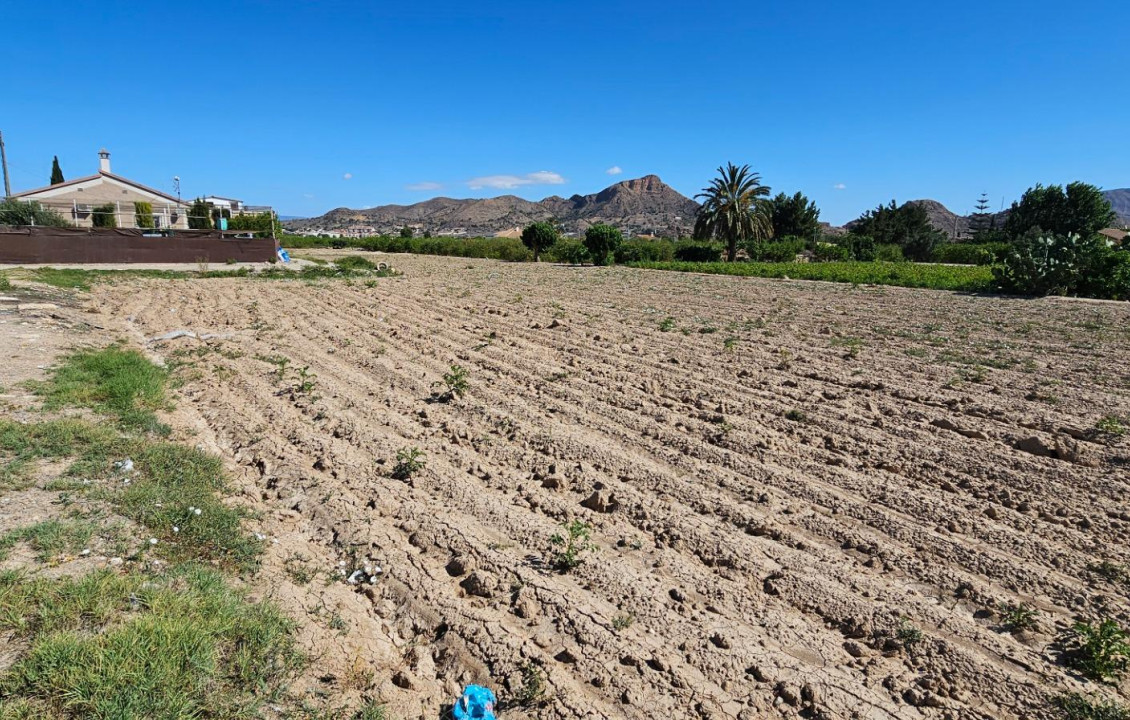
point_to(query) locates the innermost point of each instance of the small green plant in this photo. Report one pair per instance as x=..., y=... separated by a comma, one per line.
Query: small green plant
x=908, y=634
x=532, y=691
x=1079, y=707
x=305, y=380
x=1017, y=617
x=454, y=383
x=1101, y=652
x=623, y=622
x=730, y=343
x=796, y=416
x=409, y=461
x=1111, y=425
x=298, y=568
x=667, y=325
x=576, y=540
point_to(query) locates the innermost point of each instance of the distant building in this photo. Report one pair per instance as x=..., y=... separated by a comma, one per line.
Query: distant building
x=1118, y=236
x=76, y=199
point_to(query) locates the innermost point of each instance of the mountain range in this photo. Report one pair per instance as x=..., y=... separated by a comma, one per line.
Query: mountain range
x=645, y=205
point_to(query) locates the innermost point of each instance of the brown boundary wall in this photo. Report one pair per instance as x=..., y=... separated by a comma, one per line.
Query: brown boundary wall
x=43, y=245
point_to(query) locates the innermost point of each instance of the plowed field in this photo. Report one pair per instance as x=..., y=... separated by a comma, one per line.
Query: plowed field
x=806, y=499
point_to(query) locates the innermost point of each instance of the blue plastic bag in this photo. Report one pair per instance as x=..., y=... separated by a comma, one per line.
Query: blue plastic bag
x=283, y=255
x=476, y=703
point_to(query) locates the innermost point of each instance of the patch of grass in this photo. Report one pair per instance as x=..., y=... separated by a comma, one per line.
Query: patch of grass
x=576, y=540
x=1101, y=652
x=796, y=416
x=409, y=461
x=130, y=646
x=667, y=324
x=23, y=443
x=1114, y=572
x=171, y=486
x=51, y=538
x=1075, y=706
x=355, y=262
x=113, y=381
x=852, y=344
x=1111, y=425
x=5, y=283
x=299, y=570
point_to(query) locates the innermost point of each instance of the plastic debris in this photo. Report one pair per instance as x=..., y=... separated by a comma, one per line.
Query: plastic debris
x=476, y=703
x=125, y=466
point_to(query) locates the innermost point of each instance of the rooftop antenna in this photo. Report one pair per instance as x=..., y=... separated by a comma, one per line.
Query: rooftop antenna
x=176, y=186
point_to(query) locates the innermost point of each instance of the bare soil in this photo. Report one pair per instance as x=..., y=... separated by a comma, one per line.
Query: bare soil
x=786, y=487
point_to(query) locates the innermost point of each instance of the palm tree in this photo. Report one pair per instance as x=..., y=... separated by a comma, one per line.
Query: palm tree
x=733, y=209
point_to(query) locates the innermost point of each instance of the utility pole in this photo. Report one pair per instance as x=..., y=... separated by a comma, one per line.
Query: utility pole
x=4, y=161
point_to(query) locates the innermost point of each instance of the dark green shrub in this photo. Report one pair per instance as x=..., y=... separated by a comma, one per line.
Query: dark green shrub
x=199, y=215
x=262, y=224
x=1077, y=209
x=698, y=252
x=602, y=241
x=104, y=216
x=143, y=214
x=569, y=250
x=889, y=253
x=859, y=247
x=826, y=252
x=16, y=212
x=1042, y=263
x=645, y=250
x=784, y=250
x=406, y=232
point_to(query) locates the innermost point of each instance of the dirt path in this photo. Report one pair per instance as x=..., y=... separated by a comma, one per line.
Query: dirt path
x=787, y=487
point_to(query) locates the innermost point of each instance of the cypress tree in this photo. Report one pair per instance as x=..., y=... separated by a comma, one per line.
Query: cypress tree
x=56, y=172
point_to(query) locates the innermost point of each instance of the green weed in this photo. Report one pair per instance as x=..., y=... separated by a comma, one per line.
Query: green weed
x=1017, y=617
x=1079, y=707
x=1111, y=425
x=1101, y=652
x=667, y=324
x=576, y=540
x=409, y=461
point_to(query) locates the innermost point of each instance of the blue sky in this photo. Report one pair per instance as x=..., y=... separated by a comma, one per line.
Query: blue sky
x=308, y=106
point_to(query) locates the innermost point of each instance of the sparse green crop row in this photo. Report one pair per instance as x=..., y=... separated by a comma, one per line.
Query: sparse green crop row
x=972, y=278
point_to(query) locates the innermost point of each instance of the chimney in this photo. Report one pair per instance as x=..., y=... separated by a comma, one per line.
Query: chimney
x=103, y=160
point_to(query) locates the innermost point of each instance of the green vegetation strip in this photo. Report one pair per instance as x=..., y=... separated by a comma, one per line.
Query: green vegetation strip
x=916, y=275
x=133, y=646
x=79, y=279
x=133, y=643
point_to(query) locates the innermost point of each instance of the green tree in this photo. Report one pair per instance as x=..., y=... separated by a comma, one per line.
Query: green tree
x=602, y=241
x=794, y=215
x=1077, y=209
x=982, y=221
x=143, y=214
x=200, y=215
x=104, y=216
x=907, y=225
x=56, y=172
x=538, y=237
x=733, y=209
x=406, y=232
x=17, y=212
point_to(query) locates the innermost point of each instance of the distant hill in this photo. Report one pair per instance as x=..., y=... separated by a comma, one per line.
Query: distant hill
x=1120, y=201
x=644, y=205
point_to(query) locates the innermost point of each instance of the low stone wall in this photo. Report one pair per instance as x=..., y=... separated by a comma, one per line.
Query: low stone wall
x=44, y=245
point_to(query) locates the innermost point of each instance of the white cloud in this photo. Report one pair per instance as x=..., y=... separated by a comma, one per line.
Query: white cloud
x=423, y=186
x=614, y=170
x=308, y=196
x=839, y=186
x=347, y=176
x=509, y=182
